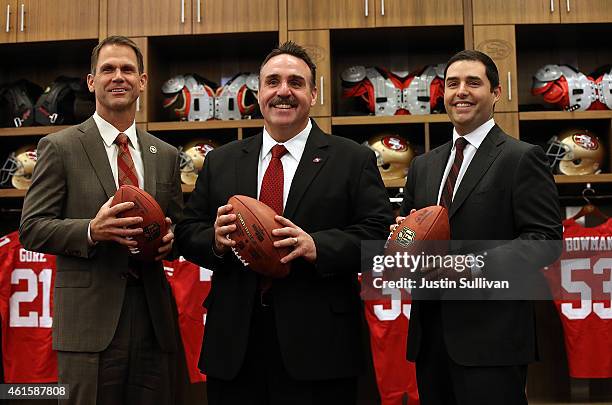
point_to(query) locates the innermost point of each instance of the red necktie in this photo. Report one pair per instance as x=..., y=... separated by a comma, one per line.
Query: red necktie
x=272, y=185
x=449, y=186
x=126, y=173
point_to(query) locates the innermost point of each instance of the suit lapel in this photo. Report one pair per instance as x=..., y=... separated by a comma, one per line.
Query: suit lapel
x=96, y=153
x=313, y=159
x=485, y=155
x=147, y=149
x=247, y=164
x=436, y=168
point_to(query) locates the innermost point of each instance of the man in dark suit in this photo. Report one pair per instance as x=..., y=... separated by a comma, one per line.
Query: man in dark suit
x=297, y=341
x=496, y=188
x=113, y=327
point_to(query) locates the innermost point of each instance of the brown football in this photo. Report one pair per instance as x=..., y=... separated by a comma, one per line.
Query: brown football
x=429, y=223
x=253, y=235
x=153, y=220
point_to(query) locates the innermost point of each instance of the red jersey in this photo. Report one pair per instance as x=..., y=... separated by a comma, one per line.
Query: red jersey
x=581, y=282
x=26, y=305
x=190, y=285
x=388, y=324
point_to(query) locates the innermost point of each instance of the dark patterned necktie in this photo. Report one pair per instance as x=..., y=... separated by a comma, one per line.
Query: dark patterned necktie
x=449, y=186
x=273, y=181
x=126, y=173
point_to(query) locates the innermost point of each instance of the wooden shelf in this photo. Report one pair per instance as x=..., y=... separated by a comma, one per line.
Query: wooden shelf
x=393, y=119
x=31, y=131
x=199, y=125
x=396, y=183
x=589, y=178
x=186, y=188
x=12, y=193
x=564, y=115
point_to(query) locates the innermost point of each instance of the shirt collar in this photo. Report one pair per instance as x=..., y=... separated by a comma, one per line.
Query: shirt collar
x=109, y=132
x=478, y=135
x=295, y=146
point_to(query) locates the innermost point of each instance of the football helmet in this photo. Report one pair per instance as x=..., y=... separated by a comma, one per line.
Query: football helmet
x=393, y=155
x=576, y=152
x=192, y=158
x=18, y=168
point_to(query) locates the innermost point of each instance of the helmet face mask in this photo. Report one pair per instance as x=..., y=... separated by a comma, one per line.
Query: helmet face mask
x=575, y=152
x=393, y=155
x=18, y=168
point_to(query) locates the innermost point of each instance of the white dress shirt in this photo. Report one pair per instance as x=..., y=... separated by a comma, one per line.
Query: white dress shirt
x=474, y=140
x=295, y=148
x=109, y=134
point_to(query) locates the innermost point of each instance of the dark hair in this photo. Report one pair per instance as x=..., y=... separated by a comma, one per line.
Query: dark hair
x=116, y=40
x=293, y=49
x=469, y=54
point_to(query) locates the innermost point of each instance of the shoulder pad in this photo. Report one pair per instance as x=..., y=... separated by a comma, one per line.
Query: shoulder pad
x=354, y=74
x=548, y=73
x=174, y=84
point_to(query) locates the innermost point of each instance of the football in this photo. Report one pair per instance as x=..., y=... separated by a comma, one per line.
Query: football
x=153, y=220
x=429, y=223
x=253, y=235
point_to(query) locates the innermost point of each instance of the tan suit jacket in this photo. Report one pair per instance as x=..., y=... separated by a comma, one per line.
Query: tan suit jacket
x=72, y=180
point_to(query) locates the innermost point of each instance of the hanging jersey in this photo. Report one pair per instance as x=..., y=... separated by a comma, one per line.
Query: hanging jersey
x=388, y=324
x=581, y=283
x=190, y=285
x=26, y=305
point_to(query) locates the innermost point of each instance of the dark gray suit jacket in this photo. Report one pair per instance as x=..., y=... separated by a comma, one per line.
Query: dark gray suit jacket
x=72, y=180
x=507, y=193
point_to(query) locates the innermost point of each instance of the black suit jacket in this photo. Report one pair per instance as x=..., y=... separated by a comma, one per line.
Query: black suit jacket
x=338, y=197
x=507, y=193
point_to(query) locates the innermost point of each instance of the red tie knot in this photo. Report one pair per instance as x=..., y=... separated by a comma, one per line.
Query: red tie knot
x=122, y=139
x=460, y=144
x=278, y=151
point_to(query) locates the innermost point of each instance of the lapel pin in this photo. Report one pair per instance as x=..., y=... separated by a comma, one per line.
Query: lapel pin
x=316, y=160
x=152, y=149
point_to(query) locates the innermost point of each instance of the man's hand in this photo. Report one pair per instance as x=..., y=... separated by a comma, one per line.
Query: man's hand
x=224, y=225
x=398, y=220
x=167, y=242
x=302, y=243
x=106, y=225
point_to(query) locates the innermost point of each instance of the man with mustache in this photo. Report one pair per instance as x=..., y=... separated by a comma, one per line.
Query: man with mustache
x=496, y=188
x=113, y=325
x=294, y=340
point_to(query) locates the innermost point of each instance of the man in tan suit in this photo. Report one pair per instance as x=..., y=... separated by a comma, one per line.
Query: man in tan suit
x=113, y=326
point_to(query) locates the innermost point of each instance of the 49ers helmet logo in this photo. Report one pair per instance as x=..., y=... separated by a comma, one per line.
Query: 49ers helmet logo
x=586, y=141
x=394, y=143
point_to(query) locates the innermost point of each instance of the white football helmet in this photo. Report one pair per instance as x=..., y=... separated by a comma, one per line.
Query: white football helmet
x=18, y=168
x=192, y=158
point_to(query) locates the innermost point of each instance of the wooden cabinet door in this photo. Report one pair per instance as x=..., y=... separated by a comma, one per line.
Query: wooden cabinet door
x=393, y=13
x=498, y=41
x=323, y=14
x=586, y=11
x=140, y=18
x=8, y=21
x=316, y=43
x=509, y=122
x=43, y=20
x=516, y=11
x=217, y=16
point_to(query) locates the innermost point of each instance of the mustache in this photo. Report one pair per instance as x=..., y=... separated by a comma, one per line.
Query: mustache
x=284, y=100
